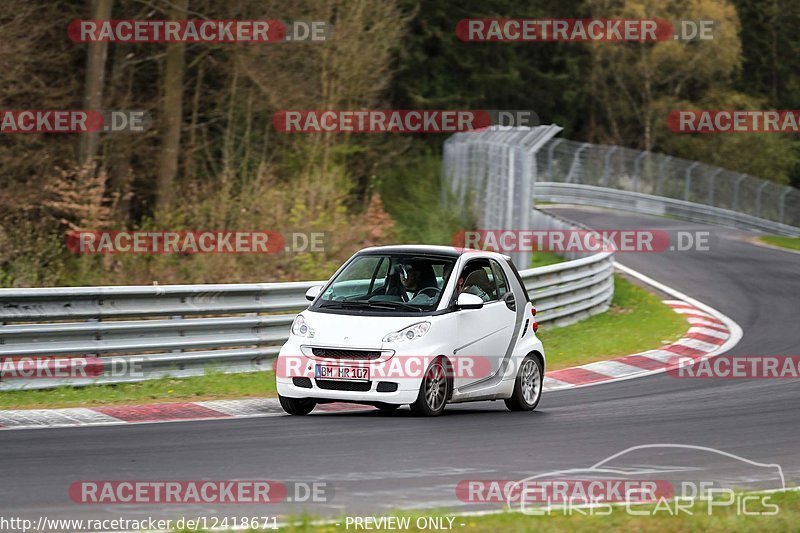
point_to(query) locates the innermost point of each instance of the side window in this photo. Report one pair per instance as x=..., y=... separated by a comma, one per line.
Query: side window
x=500, y=278
x=478, y=279
x=379, y=279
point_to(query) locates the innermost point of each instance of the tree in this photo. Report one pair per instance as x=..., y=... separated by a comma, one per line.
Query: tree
x=172, y=113
x=95, y=80
x=771, y=51
x=636, y=82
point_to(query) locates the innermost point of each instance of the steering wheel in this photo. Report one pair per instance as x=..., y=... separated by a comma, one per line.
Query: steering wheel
x=436, y=291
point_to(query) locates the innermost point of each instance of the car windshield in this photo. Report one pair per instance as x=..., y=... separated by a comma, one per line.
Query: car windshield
x=388, y=283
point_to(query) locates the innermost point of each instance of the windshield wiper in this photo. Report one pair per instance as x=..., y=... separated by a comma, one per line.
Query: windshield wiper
x=366, y=303
x=394, y=305
x=339, y=304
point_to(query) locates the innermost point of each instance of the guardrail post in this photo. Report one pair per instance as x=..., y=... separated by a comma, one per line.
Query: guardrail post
x=712, y=183
x=736, y=192
x=660, y=183
x=636, y=170
x=688, y=183
x=607, y=165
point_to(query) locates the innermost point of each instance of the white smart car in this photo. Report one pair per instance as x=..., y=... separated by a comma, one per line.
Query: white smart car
x=417, y=325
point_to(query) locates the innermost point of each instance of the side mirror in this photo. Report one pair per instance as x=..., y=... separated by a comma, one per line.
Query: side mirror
x=313, y=292
x=469, y=301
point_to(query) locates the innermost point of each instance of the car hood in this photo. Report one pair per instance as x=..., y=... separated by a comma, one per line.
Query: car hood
x=358, y=331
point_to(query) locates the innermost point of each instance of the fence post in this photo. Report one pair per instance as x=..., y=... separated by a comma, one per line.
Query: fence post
x=510, y=188
x=576, y=162
x=636, y=170
x=736, y=192
x=607, y=165
x=660, y=184
x=758, y=198
x=782, y=208
x=688, y=181
x=550, y=158
x=711, y=186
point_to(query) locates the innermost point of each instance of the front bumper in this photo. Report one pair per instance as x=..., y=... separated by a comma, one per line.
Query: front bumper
x=394, y=377
x=400, y=396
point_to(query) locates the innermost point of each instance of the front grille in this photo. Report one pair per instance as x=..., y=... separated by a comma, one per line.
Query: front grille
x=302, y=382
x=352, y=386
x=332, y=353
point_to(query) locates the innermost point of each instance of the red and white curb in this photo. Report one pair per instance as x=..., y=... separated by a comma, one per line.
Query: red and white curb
x=704, y=337
x=113, y=415
x=711, y=333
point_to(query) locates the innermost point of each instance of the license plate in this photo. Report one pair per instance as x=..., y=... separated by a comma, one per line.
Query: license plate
x=353, y=373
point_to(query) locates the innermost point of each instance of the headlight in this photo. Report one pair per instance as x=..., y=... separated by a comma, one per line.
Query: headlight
x=410, y=333
x=301, y=328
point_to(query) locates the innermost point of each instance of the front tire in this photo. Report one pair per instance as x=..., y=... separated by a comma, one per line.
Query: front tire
x=433, y=392
x=297, y=406
x=527, y=386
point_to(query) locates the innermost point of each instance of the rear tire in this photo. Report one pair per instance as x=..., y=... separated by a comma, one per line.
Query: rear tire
x=433, y=392
x=297, y=406
x=527, y=386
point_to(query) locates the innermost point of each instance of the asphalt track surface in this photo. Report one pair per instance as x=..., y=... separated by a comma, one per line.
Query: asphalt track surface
x=377, y=462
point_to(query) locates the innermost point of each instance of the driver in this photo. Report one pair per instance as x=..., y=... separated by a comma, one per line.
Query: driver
x=415, y=278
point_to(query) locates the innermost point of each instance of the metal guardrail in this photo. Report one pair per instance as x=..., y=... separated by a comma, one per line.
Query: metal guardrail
x=185, y=330
x=662, y=184
x=573, y=193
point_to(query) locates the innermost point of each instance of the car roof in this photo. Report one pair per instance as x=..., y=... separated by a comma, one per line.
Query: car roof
x=428, y=249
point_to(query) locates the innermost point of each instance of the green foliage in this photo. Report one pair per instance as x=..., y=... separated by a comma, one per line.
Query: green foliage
x=770, y=156
x=771, y=51
x=412, y=195
x=31, y=256
x=436, y=70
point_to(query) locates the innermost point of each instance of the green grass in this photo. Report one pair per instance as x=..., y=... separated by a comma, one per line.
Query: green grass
x=637, y=321
x=722, y=520
x=791, y=243
x=540, y=259
x=208, y=387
